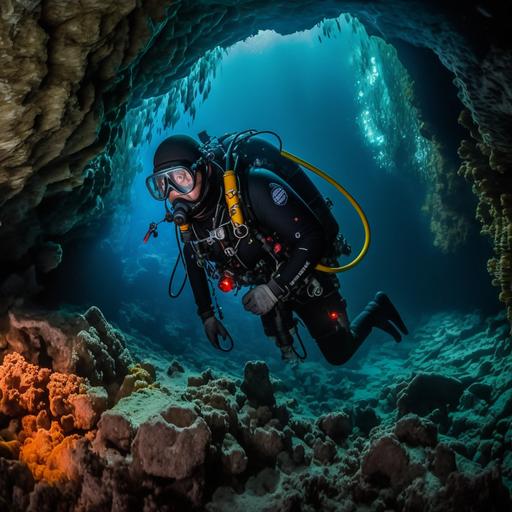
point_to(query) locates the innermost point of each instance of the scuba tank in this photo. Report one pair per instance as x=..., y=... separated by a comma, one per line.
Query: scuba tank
x=256, y=151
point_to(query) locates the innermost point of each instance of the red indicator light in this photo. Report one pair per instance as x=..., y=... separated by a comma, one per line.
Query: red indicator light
x=296, y=219
x=226, y=283
x=333, y=315
x=277, y=248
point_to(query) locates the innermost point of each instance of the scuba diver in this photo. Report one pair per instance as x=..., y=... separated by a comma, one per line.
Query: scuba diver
x=249, y=216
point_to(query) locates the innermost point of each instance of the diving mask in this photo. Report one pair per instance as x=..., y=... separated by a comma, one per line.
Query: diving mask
x=179, y=178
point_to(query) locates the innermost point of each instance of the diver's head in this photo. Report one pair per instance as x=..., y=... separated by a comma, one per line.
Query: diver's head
x=179, y=173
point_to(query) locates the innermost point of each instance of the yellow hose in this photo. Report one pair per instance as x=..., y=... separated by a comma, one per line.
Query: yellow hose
x=353, y=202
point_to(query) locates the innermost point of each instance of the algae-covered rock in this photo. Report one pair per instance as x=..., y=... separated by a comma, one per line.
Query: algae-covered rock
x=171, y=445
x=234, y=459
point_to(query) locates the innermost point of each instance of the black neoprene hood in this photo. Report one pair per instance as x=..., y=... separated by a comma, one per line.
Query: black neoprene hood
x=177, y=149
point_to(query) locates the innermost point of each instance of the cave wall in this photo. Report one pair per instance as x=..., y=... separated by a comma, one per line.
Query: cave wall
x=69, y=70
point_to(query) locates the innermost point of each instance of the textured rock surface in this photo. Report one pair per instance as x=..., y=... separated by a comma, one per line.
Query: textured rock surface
x=199, y=441
x=86, y=345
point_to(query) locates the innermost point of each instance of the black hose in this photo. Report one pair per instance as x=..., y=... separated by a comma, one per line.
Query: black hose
x=178, y=259
x=305, y=354
x=231, y=343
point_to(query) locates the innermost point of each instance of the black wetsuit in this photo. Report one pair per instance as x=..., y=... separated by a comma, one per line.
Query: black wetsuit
x=295, y=243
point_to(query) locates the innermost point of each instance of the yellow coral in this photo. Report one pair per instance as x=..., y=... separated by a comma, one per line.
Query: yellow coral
x=140, y=376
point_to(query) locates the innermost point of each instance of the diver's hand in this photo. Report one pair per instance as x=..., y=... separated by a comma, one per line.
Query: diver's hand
x=213, y=329
x=259, y=300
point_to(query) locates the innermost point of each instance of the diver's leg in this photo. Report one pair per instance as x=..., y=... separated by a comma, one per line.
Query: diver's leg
x=379, y=312
x=327, y=321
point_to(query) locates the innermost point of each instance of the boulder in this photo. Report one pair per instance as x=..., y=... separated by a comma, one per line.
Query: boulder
x=266, y=442
x=416, y=431
x=234, y=459
x=429, y=391
x=257, y=385
x=171, y=445
x=444, y=462
x=336, y=425
x=386, y=462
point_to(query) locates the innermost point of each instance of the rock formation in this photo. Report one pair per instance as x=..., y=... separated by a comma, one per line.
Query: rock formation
x=432, y=441
x=67, y=87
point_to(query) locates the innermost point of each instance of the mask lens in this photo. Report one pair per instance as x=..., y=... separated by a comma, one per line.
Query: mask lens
x=181, y=179
x=178, y=178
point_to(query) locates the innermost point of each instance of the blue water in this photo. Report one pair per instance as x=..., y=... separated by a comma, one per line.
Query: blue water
x=309, y=92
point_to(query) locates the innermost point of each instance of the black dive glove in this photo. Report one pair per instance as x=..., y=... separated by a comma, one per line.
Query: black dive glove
x=213, y=329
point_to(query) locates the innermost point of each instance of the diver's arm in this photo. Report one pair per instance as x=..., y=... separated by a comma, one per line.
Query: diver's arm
x=278, y=209
x=199, y=283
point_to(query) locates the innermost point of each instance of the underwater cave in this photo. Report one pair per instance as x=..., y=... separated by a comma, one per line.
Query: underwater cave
x=112, y=397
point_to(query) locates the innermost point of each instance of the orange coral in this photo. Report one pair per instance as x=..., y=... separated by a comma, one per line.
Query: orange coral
x=48, y=454
x=45, y=407
x=22, y=386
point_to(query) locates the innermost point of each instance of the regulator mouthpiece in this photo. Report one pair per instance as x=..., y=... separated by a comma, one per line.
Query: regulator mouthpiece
x=180, y=213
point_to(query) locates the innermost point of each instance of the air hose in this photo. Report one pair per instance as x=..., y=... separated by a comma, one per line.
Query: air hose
x=353, y=202
x=233, y=199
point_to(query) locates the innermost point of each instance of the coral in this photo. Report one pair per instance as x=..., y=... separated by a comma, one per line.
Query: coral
x=485, y=168
x=234, y=459
x=48, y=454
x=207, y=443
x=443, y=203
x=22, y=386
x=337, y=426
x=86, y=345
x=137, y=378
x=47, y=409
x=416, y=431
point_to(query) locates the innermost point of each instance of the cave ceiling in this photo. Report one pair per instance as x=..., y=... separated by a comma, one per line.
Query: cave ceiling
x=70, y=70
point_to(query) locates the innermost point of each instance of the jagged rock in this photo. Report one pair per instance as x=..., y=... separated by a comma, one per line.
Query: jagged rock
x=88, y=407
x=324, y=451
x=483, y=491
x=234, y=459
x=266, y=442
x=172, y=444
x=429, y=391
x=16, y=483
x=481, y=390
x=444, y=462
x=386, y=462
x=174, y=368
x=257, y=385
x=70, y=343
x=365, y=418
x=337, y=426
x=416, y=431
x=118, y=425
